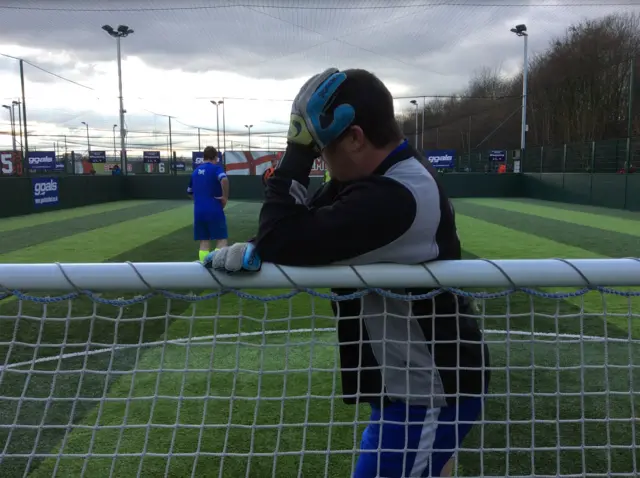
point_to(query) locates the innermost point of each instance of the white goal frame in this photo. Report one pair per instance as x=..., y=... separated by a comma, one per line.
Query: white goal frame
x=477, y=273
x=540, y=276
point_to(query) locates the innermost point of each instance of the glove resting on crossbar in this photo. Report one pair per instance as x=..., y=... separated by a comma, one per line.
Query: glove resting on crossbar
x=239, y=257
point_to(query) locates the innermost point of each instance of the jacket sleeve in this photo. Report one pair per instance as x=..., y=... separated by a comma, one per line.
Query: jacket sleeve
x=364, y=216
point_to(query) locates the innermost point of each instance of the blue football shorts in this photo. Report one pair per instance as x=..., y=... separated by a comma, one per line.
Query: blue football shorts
x=414, y=441
x=210, y=228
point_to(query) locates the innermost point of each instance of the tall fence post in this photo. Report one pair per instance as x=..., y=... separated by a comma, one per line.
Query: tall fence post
x=593, y=165
x=626, y=172
x=564, y=162
x=632, y=80
x=541, y=158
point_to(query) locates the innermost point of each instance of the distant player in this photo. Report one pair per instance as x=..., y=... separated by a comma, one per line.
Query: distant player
x=209, y=187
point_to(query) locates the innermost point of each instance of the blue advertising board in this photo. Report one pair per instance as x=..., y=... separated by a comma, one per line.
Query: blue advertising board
x=441, y=158
x=42, y=159
x=179, y=166
x=45, y=192
x=197, y=157
x=151, y=157
x=98, y=157
x=497, y=155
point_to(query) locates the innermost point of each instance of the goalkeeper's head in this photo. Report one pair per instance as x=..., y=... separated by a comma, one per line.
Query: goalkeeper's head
x=374, y=132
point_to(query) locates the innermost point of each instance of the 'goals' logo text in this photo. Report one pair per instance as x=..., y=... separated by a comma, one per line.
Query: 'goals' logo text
x=42, y=188
x=42, y=160
x=446, y=158
x=45, y=191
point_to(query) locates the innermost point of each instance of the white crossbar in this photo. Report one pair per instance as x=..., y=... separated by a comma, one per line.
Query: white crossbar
x=480, y=273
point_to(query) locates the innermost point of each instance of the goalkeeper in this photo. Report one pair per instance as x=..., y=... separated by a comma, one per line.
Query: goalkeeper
x=421, y=364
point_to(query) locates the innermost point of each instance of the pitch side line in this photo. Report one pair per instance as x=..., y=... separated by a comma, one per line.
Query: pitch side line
x=187, y=341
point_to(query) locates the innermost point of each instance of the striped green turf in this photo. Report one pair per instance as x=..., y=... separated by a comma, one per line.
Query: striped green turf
x=17, y=239
x=599, y=210
x=173, y=241
x=627, y=225
x=488, y=228
x=100, y=243
x=19, y=222
x=495, y=241
x=599, y=241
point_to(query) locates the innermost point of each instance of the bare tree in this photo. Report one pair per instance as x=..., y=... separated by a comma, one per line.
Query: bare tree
x=578, y=91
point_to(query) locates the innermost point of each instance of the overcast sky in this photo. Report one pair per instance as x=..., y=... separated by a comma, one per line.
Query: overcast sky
x=180, y=57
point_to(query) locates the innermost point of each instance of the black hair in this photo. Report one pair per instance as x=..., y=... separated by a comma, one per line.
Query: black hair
x=373, y=105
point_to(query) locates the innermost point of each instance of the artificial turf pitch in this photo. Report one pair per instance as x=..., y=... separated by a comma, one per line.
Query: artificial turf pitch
x=159, y=410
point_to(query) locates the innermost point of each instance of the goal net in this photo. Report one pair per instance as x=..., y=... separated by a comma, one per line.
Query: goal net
x=168, y=369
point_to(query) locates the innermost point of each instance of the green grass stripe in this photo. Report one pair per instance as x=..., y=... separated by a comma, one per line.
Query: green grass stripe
x=93, y=324
x=599, y=221
x=104, y=329
x=101, y=243
x=604, y=211
x=602, y=242
x=18, y=222
x=492, y=241
x=30, y=236
x=230, y=315
x=246, y=368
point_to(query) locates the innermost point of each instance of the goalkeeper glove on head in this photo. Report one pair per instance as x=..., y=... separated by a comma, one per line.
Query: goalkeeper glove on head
x=313, y=123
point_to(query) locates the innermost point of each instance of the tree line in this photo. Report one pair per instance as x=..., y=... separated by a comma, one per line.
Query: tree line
x=578, y=91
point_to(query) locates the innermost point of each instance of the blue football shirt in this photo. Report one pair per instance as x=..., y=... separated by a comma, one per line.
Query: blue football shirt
x=206, y=187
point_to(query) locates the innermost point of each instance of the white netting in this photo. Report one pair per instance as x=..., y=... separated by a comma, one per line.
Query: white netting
x=248, y=383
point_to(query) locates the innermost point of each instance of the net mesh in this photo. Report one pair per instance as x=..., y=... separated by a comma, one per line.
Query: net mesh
x=247, y=383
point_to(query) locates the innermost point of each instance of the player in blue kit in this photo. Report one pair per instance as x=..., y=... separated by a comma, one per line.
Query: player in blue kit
x=209, y=187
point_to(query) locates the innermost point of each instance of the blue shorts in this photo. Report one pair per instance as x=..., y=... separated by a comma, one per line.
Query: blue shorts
x=425, y=438
x=210, y=229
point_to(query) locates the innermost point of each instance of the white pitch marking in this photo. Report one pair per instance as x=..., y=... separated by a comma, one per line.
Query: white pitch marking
x=187, y=341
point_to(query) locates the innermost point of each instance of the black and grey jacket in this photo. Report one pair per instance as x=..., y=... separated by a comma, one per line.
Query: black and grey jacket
x=422, y=352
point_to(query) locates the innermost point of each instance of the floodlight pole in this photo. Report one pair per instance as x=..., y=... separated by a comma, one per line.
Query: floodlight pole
x=19, y=104
x=525, y=81
x=25, y=160
x=217, y=105
x=424, y=107
x=249, y=126
x=415, y=103
x=88, y=140
x=218, y=127
x=224, y=129
x=171, y=147
x=13, y=127
x=521, y=31
x=115, y=155
x=121, y=32
x=123, y=153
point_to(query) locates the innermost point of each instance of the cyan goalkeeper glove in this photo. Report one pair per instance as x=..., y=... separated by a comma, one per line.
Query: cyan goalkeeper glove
x=239, y=257
x=313, y=124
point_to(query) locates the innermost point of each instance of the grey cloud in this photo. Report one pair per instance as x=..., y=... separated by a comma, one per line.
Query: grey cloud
x=269, y=42
x=434, y=50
